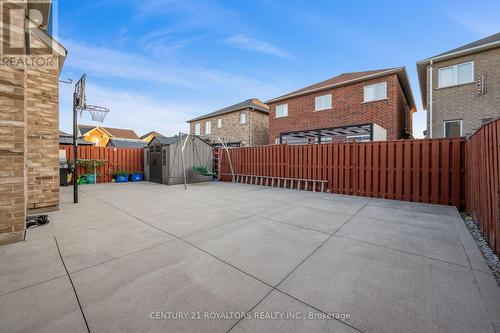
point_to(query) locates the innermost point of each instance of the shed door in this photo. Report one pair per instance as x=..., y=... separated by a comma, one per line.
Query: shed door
x=155, y=170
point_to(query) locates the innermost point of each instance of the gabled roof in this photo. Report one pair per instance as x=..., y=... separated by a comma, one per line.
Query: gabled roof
x=253, y=103
x=163, y=140
x=353, y=77
x=124, y=143
x=121, y=133
x=483, y=44
x=153, y=133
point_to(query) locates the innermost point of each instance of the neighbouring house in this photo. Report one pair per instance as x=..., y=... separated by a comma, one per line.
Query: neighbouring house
x=150, y=136
x=363, y=106
x=29, y=115
x=101, y=136
x=243, y=124
x=465, y=89
x=66, y=139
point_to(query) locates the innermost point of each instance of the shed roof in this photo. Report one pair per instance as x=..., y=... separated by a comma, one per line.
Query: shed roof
x=124, y=143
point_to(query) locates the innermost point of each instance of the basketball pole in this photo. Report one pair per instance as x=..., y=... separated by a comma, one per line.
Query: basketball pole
x=75, y=151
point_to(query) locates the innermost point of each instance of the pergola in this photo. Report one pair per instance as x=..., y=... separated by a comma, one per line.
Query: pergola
x=363, y=132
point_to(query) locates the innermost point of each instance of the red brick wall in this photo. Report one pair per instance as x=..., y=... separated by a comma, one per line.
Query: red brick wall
x=347, y=109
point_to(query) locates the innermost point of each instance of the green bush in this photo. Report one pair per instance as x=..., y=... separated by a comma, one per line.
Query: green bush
x=121, y=173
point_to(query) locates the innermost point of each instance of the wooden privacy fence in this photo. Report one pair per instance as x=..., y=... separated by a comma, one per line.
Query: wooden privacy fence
x=483, y=181
x=124, y=159
x=430, y=171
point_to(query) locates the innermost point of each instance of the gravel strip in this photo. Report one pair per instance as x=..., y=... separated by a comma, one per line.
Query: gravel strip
x=491, y=258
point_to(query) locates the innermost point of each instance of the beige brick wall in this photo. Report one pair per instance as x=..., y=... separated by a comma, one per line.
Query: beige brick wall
x=253, y=133
x=42, y=98
x=29, y=142
x=12, y=148
x=463, y=102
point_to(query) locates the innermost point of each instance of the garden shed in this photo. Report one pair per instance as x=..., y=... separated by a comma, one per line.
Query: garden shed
x=166, y=159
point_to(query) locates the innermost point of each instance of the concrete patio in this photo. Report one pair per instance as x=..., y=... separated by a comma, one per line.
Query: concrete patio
x=147, y=257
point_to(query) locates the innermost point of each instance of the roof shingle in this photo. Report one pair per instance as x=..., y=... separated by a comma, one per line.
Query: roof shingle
x=249, y=103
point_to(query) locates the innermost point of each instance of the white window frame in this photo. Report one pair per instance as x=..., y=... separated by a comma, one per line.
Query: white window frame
x=243, y=118
x=285, y=108
x=208, y=127
x=277, y=141
x=319, y=102
x=219, y=123
x=375, y=97
x=455, y=75
x=461, y=121
x=197, y=129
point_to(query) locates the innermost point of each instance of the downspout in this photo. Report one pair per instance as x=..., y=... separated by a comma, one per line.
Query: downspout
x=430, y=101
x=250, y=126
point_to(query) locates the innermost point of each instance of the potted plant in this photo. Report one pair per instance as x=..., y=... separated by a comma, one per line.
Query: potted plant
x=137, y=176
x=91, y=166
x=121, y=176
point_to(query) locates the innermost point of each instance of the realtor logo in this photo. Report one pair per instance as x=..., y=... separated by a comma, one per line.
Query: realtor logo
x=24, y=38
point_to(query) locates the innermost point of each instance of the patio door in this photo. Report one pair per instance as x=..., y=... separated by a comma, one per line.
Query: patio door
x=155, y=167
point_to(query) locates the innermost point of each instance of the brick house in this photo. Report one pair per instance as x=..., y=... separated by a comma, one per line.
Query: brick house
x=465, y=89
x=361, y=106
x=244, y=124
x=29, y=117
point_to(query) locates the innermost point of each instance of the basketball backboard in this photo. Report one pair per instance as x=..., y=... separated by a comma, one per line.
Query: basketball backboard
x=80, y=94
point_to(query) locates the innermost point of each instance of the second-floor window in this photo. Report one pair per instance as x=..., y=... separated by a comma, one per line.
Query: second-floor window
x=197, y=129
x=323, y=102
x=375, y=92
x=219, y=123
x=281, y=110
x=456, y=74
x=243, y=118
x=208, y=127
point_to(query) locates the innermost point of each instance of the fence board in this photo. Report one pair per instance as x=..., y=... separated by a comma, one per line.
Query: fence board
x=427, y=171
x=482, y=190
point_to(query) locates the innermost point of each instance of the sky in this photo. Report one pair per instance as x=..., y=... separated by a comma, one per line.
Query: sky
x=157, y=63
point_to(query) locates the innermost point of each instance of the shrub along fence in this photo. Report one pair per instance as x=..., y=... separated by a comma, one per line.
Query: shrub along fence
x=430, y=171
x=123, y=159
x=483, y=181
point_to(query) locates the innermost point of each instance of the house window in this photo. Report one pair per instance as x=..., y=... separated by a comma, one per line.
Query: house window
x=456, y=74
x=208, y=127
x=243, y=118
x=323, y=102
x=281, y=110
x=453, y=128
x=197, y=129
x=277, y=141
x=219, y=123
x=375, y=92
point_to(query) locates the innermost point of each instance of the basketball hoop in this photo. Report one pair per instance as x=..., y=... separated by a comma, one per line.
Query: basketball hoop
x=98, y=113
